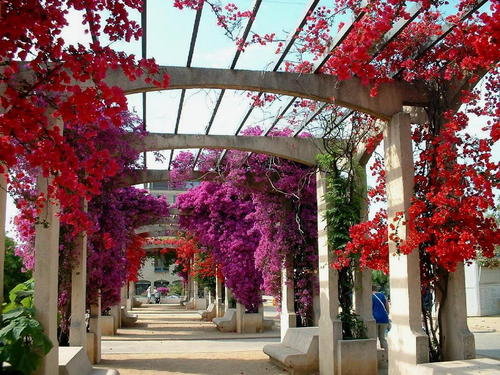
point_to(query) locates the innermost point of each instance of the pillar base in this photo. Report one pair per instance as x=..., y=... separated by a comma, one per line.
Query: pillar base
x=287, y=320
x=330, y=332
x=458, y=341
x=249, y=322
x=406, y=349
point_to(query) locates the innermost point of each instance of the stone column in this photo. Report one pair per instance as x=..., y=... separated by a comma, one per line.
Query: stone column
x=363, y=279
x=240, y=316
x=3, y=206
x=316, y=309
x=207, y=295
x=195, y=289
x=363, y=300
x=95, y=329
x=189, y=287
x=330, y=328
x=288, y=317
x=123, y=295
x=218, y=297
x=46, y=277
x=407, y=342
x=458, y=342
x=130, y=296
x=229, y=297
x=46, y=269
x=3, y=203
x=114, y=311
x=78, y=329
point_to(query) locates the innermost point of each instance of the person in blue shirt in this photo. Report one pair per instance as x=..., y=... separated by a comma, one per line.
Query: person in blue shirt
x=380, y=309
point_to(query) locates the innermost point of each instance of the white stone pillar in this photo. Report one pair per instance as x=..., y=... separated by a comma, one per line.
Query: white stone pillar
x=288, y=317
x=218, y=297
x=407, y=342
x=207, y=295
x=363, y=279
x=114, y=311
x=195, y=289
x=78, y=329
x=229, y=297
x=330, y=328
x=363, y=300
x=46, y=277
x=316, y=309
x=240, y=316
x=3, y=213
x=189, y=286
x=123, y=295
x=46, y=269
x=458, y=342
x=95, y=329
x=130, y=296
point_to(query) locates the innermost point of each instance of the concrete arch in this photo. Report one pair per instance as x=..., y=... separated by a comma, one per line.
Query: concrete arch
x=143, y=176
x=349, y=93
x=152, y=247
x=301, y=150
x=171, y=225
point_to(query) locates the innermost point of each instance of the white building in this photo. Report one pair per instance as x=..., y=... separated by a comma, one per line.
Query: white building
x=154, y=272
x=483, y=290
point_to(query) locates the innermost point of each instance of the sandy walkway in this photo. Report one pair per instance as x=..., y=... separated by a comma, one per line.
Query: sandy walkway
x=171, y=340
x=237, y=363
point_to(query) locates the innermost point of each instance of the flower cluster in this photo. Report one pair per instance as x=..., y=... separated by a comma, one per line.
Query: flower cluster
x=64, y=85
x=257, y=217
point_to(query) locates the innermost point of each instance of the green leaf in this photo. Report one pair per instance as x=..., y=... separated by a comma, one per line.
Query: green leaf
x=12, y=314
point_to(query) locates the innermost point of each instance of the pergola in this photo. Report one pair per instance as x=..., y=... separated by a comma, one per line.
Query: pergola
x=395, y=104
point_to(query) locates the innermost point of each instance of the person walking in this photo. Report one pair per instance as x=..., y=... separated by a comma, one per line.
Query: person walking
x=380, y=310
x=148, y=291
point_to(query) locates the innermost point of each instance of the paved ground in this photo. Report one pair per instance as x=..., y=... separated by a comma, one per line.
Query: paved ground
x=173, y=322
x=169, y=340
x=487, y=333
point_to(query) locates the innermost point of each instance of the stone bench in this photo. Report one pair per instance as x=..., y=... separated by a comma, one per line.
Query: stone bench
x=136, y=302
x=196, y=304
x=227, y=323
x=73, y=360
x=299, y=351
x=210, y=313
x=128, y=320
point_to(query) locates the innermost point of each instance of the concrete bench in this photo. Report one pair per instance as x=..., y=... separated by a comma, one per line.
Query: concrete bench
x=73, y=360
x=136, y=302
x=196, y=304
x=209, y=313
x=128, y=320
x=299, y=351
x=227, y=323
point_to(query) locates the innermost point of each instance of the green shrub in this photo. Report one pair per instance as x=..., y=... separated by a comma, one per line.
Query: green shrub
x=23, y=342
x=353, y=328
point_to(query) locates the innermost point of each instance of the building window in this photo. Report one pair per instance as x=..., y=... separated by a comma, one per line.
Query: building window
x=159, y=265
x=141, y=286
